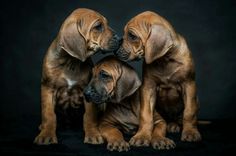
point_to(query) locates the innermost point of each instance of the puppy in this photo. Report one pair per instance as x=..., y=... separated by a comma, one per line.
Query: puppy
x=67, y=69
x=114, y=85
x=168, y=80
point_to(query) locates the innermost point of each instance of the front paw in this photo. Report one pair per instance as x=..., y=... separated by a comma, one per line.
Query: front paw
x=140, y=140
x=93, y=138
x=191, y=135
x=173, y=128
x=162, y=143
x=120, y=146
x=46, y=137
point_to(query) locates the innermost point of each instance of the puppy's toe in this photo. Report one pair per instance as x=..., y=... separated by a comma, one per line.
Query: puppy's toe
x=110, y=146
x=93, y=139
x=173, y=128
x=45, y=138
x=140, y=140
x=162, y=143
x=191, y=135
x=119, y=146
x=124, y=146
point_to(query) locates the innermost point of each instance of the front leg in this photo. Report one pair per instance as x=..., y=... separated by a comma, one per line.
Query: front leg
x=159, y=139
x=190, y=132
x=148, y=100
x=114, y=138
x=92, y=134
x=48, y=125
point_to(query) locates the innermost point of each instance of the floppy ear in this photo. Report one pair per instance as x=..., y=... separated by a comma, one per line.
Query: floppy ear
x=127, y=84
x=72, y=41
x=158, y=43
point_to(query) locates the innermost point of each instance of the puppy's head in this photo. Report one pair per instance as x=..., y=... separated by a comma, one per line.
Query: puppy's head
x=147, y=36
x=86, y=32
x=112, y=81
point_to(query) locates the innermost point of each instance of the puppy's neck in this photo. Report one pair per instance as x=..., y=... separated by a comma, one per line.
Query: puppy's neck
x=126, y=101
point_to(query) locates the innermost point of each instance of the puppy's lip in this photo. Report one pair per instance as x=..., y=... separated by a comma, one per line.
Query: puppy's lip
x=87, y=99
x=98, y=102
x=125, y=59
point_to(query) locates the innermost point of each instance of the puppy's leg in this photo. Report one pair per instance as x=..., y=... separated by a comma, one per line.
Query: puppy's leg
x=148, y=100
x=190, y=132
x=114, y=138
x=159, y=141
x=48, y=125
x=92, y=134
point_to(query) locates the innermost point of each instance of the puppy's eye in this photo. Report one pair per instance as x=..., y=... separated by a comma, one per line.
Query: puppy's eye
x=99, y=27
x=103, y=75
x=131, y=36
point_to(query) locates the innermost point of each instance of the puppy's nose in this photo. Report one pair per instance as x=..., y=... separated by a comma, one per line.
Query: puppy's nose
x=116, y=37
x=88, y=93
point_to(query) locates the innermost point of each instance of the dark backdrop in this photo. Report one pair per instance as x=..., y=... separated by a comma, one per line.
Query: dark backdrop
x=28, y=28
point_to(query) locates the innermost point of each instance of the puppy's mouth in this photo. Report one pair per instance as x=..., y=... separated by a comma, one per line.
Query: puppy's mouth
x=94, y=47
x=112, y=45
x=138, y=58
x=122, y=54
x=95, y=98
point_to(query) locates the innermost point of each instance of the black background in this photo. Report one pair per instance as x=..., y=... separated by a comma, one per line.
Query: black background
x=28, y=27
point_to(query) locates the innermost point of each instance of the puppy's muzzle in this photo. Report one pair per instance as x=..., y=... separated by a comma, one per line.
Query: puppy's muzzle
x=122, y=54
x=91, y=95
x=114, y=42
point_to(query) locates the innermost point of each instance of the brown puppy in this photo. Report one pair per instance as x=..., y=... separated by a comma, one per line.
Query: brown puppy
x=113, y=86
x=67, y=69
x=168, y=80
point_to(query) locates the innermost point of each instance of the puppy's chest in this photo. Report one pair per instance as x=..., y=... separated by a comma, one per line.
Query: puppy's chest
x=168, y=73
x=72, y=79
x=72, y=97
x=69, y=93
x=74, y=74
x=70, y=82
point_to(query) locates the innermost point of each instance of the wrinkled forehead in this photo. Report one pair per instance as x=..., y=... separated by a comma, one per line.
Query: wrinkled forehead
x=144, y=20
x=89, y=15
x=141, y=24
x=138, y=25
x=111, y=67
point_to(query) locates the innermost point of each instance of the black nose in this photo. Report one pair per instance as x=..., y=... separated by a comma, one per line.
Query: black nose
x=88, y=93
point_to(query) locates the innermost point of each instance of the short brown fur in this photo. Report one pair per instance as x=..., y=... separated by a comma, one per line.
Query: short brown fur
x=67, y=68
x=168, y=80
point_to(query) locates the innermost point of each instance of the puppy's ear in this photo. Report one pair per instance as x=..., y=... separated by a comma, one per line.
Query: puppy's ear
x=158, y=43
x=127, y=83
x=71, y=40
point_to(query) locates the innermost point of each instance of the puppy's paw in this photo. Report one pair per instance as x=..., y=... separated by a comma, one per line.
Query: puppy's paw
x=120, y=146
x=140, y=140
x=46, y=138
x=191, y=135
x=173, y=128
x=162, y=143
x=93, y=138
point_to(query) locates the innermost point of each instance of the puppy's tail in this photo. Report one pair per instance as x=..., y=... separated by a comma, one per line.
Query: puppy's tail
x=203, y=122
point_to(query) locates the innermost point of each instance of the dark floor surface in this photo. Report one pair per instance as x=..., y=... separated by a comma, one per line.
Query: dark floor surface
x=16, y=139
